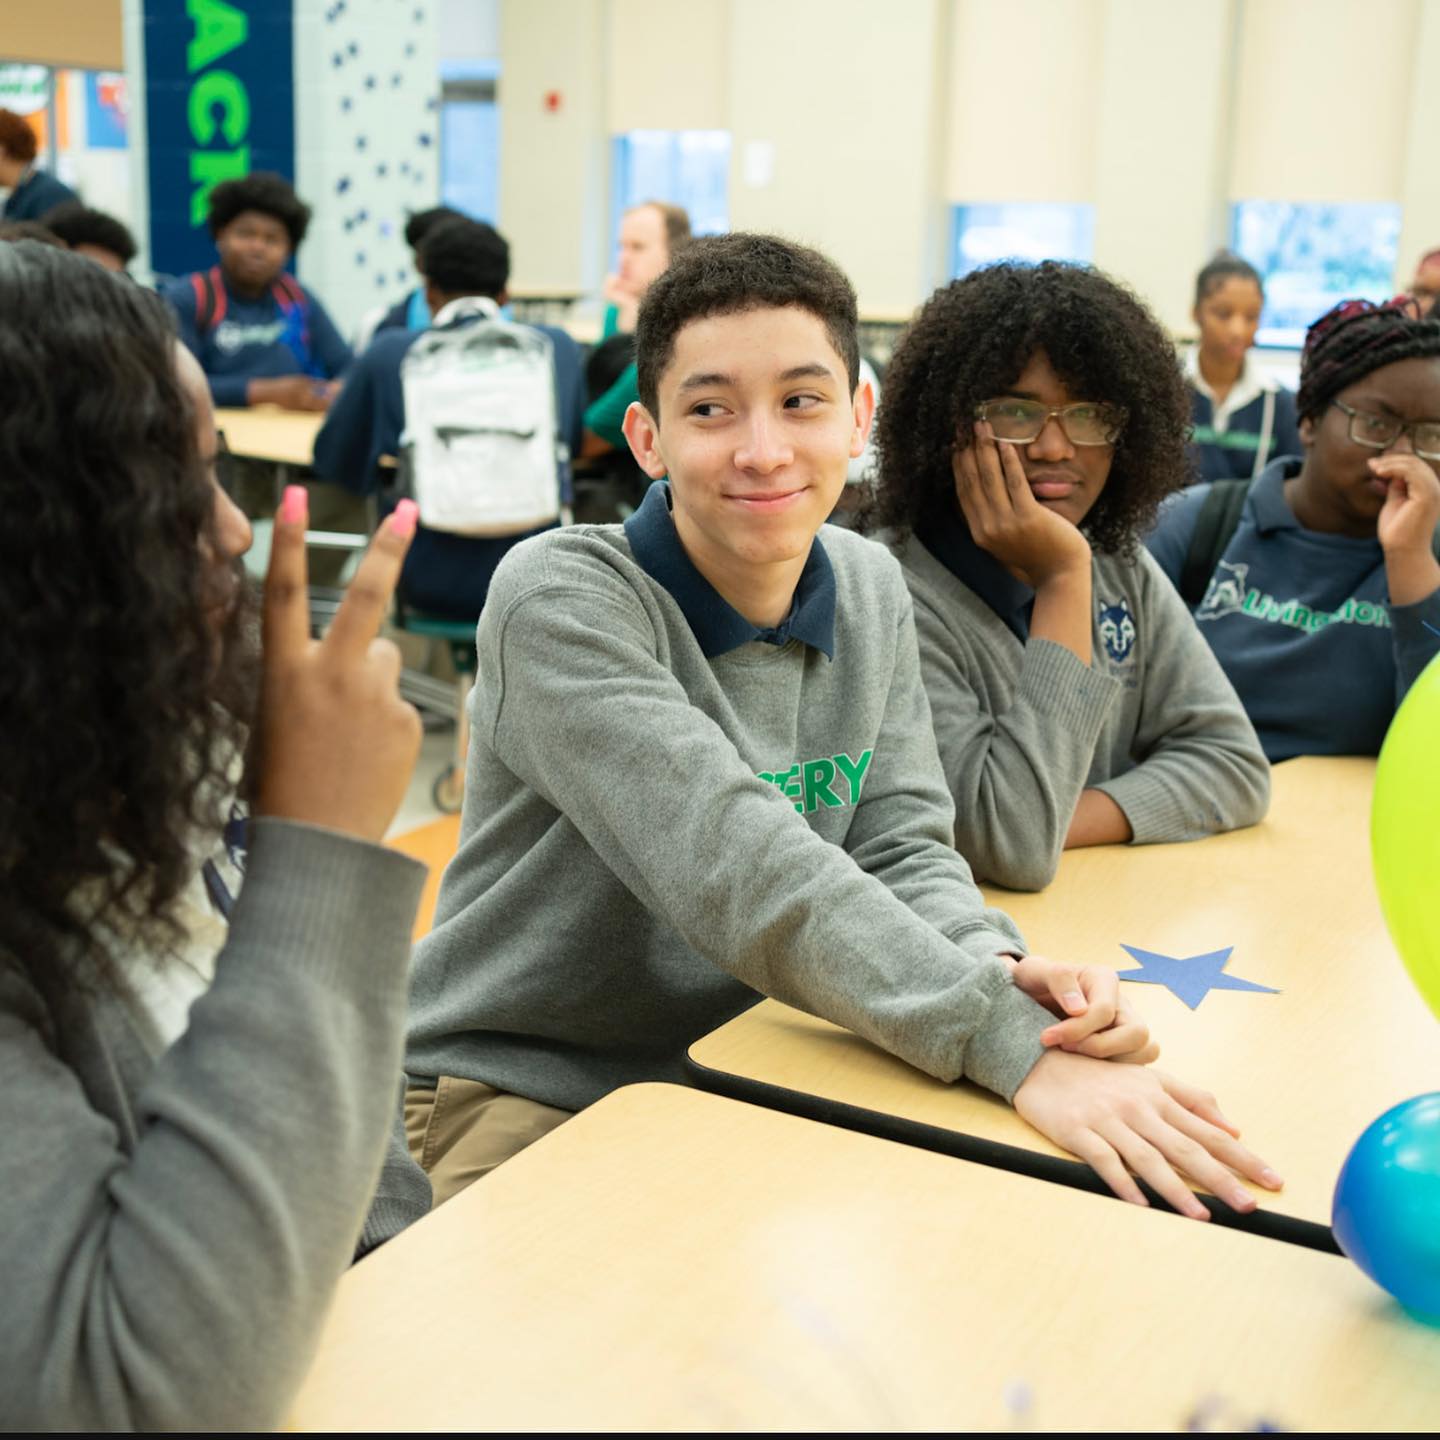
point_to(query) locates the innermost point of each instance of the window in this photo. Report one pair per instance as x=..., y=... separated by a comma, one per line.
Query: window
x=690, y=168
x=1313, y=256
x=470, y=139
x=986, y=233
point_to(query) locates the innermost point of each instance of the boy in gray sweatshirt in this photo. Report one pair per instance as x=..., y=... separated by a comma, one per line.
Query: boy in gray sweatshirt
x=702, y=770
x=1035, y=415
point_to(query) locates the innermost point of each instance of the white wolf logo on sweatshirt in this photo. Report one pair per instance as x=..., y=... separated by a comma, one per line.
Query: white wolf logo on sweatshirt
x=1226, y=592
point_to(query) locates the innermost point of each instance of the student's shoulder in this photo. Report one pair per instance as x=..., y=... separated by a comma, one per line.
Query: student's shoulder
x=1179, y=512
x=573, y=561
x=179, y=291
x=864, y=568
x=388, y=349
x=563, y=341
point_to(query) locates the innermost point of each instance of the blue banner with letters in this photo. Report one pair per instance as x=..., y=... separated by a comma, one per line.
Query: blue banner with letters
x=220, y=102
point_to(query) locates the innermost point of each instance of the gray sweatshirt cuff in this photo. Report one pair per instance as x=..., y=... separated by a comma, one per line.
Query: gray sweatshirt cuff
x=308, y=892
x=1071, y=695
x=1155, y=815
x=1005, y=1048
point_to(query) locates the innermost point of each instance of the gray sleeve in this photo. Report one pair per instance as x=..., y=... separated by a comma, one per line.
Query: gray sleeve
x=182, y=1285
x=902, y=830
x=572, y=697
x=1200, y=768
x=1015, y=777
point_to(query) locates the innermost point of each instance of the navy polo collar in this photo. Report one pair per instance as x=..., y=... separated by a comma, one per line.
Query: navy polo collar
x=718, y=626
x=947, y=537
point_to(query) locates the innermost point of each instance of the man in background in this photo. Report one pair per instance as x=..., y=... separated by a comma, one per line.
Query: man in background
x=93, y=234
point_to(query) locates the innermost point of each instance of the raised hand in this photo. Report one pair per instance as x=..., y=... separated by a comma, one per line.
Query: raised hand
x=338, y=744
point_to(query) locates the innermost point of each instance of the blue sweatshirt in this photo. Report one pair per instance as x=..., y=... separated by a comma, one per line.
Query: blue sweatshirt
x=445, y=574
x=1302, y=623
x=37, y=192
x=257, y=339
x=1234, y=440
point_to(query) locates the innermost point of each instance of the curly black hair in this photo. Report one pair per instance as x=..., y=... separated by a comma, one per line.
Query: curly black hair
x=265, y=191
x=118, y=712
x=78, y=224
x=728, y=274
x=1355, y=337
x=465, y=257
x=972, y=339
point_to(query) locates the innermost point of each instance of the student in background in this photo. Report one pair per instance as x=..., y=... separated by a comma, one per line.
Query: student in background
x=173, y=1220
x=261, y=337
x=463, y=261
x=33, y=191
x=93, y=234
x=411, y=313
x=1317, y=585
x=1243, y=418
x=1425, y=287
x=1034, y=417
x=702, y=769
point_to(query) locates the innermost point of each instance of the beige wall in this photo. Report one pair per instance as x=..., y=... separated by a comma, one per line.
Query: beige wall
x=857, y=125
x=84, y=33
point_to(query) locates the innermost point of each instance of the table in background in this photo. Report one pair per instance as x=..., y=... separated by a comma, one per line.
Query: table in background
x=674, y=1260
x=266, y=432
x=1302, y=1072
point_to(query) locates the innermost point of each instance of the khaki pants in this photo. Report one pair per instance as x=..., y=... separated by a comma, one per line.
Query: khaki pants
x=462, y=1129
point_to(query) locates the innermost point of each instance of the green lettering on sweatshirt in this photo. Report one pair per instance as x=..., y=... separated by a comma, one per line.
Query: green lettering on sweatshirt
x=810, y=784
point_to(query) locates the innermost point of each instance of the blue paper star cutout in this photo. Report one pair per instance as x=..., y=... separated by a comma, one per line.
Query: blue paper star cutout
x=1190, y=979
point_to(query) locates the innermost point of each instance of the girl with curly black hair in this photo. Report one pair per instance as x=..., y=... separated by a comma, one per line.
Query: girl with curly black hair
x=1034, y=418
x=1317, y=585
x=196, y=1084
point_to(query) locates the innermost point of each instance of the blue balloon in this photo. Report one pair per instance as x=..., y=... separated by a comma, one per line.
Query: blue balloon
x=1386, y=1214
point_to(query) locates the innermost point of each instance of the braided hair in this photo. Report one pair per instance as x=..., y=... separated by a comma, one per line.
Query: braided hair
x=1354, y=339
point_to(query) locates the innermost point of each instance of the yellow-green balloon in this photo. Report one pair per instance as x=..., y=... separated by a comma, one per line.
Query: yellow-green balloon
x=1405, y=832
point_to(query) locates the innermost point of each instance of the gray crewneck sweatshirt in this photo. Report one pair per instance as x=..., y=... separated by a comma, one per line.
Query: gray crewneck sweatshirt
x=172, y=1227
x=655, y=836
x=1023, y=727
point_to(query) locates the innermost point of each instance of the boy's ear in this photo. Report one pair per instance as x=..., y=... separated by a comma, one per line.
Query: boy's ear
x=864, y=418
x=1306, y=429
x=642, y=433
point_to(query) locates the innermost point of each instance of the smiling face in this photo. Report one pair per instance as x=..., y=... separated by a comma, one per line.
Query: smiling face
x=756, y=429
x=253, y=249
x=1064, y=477
x=1228, y=318
x=1406, y=390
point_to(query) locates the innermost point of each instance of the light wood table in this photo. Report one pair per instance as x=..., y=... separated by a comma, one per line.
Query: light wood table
x=1302, y=1072
x=675, y=1260
x=266, y=432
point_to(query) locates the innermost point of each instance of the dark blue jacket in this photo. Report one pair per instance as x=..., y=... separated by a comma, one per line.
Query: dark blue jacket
x=1302, y=623
x=1232, y=453
x=444, y=574
x=38, y=192
x=257, y=339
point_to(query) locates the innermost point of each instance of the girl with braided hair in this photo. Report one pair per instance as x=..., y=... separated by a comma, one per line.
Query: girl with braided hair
x=1317, y=585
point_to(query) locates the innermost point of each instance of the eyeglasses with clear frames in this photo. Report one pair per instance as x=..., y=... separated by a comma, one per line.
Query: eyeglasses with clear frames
x=1020, y=422
x=1380, y=432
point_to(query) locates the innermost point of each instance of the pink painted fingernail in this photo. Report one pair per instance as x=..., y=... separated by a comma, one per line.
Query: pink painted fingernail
x=294, y=506
x=404, y=518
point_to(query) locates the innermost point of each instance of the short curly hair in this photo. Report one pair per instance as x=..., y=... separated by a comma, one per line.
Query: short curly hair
x=119, y=721
x=465, y=257
x=1356, y=337
x=972, y=339
x=422, y=222
x=261, y=190
x=729, y=274
x=78, y=224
